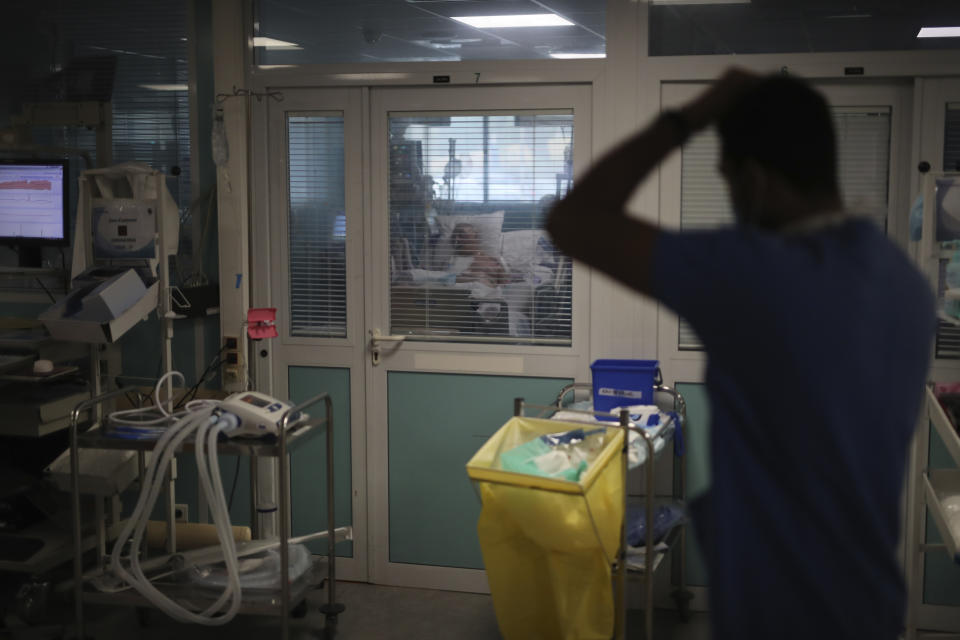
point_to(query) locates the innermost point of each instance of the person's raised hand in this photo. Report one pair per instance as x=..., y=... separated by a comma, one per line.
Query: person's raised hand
x=710, y=105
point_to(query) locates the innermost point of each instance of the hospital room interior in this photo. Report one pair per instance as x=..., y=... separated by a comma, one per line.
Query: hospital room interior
x=286, y=348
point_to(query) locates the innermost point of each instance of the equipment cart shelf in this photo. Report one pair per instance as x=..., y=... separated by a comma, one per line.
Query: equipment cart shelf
x=255, y=602
x=939, y=492
x=675, y=540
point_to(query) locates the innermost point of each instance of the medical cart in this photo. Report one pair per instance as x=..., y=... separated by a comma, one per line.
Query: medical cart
x=937, y=494
x=675, y=539
x=290, y=600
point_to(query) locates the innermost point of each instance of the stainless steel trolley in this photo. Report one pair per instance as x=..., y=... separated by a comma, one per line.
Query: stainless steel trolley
x=676, y=540
x=288, y=440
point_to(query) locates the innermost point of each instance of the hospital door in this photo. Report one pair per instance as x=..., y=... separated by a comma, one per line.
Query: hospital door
x=414, y=281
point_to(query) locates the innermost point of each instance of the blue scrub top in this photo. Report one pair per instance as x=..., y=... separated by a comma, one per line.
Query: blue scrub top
x=818, y=345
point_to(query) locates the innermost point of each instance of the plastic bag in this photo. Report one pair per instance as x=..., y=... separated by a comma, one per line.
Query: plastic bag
x=260, y=571
x=665, y=518
x=564, y=455
x=951, y=303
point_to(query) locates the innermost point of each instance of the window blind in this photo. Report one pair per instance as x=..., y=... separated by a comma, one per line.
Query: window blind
x=317, y=225
x=133, y=54
x=947, y=344
x=951, y=138
x=142, y=47
x=863, y=160
x=468, y=193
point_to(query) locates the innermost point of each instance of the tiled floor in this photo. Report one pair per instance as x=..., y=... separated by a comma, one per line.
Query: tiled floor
x=374, y=612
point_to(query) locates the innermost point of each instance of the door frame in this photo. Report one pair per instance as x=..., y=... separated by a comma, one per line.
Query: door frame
x=270, y=270
x=453, y=358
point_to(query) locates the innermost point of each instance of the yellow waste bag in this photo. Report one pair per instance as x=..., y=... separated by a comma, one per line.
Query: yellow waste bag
x=548, y=544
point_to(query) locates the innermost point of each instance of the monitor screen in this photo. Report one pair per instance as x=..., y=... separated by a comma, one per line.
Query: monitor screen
x=33, y=201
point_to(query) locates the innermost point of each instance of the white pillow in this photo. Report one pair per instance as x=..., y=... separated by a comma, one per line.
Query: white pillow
x=487, y=226
x=527, y=248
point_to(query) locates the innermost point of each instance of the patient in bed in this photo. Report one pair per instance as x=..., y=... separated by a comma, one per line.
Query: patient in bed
x=476, y=264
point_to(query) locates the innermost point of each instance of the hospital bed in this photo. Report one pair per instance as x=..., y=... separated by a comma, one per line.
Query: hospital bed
x=429, y=298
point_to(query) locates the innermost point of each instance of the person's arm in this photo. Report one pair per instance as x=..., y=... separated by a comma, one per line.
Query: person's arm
x=590, y=223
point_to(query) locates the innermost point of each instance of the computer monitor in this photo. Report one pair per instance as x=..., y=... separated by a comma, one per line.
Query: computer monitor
x=34, y=207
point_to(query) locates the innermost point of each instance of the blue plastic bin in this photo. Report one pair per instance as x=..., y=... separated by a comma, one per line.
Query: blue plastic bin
x=618, y=383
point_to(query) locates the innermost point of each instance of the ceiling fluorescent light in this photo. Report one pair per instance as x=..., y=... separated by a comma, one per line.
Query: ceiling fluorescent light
x=273, y=43
x=366, y=77
x=699, y=1
x=571, y=56
x=164, y=87
x=516, y=20
x=939, y=32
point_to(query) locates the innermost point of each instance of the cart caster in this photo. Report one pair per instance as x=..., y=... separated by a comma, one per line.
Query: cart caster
x=331, y=610
x=299, y=611
x=682, y=598
x=330, y=626
x=31, y=601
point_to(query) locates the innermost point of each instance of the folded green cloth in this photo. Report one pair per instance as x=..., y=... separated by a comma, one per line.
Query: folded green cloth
x=540, y=459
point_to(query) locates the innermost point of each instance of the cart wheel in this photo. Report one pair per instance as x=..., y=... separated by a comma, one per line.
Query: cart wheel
x=683, y=597
x=299, y=611
x=330, y=627
x=31, y=601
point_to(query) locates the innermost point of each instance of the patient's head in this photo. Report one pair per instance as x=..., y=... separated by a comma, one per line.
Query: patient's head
x=465, y=239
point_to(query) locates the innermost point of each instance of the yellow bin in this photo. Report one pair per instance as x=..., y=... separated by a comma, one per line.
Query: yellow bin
x=548, y=545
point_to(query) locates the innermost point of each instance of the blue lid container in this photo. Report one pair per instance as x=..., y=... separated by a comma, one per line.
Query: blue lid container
x=619, y=383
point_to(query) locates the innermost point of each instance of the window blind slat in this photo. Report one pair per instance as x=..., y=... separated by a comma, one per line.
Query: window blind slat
x=317, y=226
x=468, y=254
x=131, y=53
x=863, y=160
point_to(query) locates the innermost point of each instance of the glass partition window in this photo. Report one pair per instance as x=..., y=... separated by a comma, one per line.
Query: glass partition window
x=863, y=160
x=469, y=259
x=296, y=32
x=725, y=27
x=317, y=226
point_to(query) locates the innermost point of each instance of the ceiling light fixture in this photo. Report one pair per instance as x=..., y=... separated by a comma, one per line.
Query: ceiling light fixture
x=699, y=1
x=516, y=20
x=367, y=77
x=571, y=56
x=164, y=87
x=939, y=32
x=273, y=43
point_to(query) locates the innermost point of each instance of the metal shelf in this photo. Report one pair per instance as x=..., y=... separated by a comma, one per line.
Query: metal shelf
x=254, y=601
x=671, y=539
x=95, y=438
x=938, y=484
x=290, y=436
x=943, y=425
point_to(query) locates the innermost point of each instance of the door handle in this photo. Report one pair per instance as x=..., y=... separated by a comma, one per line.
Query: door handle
x=376, y=338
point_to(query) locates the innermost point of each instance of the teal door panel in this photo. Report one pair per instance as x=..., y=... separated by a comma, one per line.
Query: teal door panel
x=697, y=436
x=436, y=423
x=941, y=576
x=309, y=462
